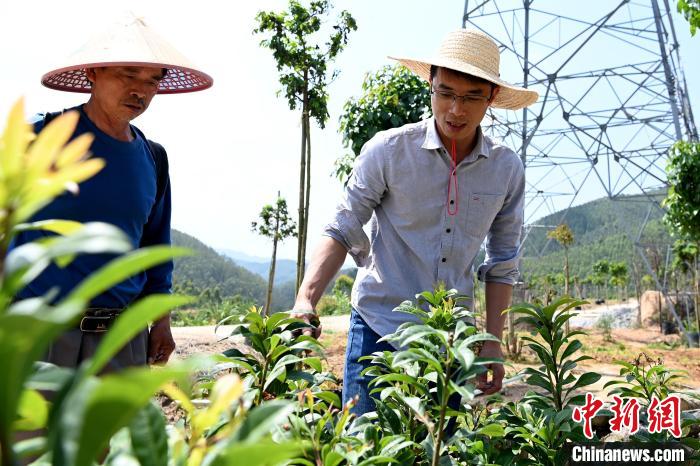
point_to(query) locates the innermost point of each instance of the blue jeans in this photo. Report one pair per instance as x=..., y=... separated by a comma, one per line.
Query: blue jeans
x=362, y=341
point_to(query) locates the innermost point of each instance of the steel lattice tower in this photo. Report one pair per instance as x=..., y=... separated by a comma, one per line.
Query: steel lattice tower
x=613, y=98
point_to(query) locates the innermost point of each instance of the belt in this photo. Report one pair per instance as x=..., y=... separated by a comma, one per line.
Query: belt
x=98, y=320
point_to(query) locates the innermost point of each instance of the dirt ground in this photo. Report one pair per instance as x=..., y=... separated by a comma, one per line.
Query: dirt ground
x=625, y=344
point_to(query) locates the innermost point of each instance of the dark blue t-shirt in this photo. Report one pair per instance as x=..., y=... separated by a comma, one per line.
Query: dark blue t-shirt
x=123, y=193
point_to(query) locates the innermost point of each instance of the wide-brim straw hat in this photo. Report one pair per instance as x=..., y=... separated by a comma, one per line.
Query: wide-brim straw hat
x=474, y=53
x=131, y=42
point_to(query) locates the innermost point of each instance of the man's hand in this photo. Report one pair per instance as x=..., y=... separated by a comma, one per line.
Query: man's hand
x=311, y=318
x=491, y=350
x=160, y=342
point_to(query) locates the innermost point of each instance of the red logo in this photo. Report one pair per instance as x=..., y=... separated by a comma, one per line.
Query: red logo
x=626, y=415
x=665, y=415
x=586, y=413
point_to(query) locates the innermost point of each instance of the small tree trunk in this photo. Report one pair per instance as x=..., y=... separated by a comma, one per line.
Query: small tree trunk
x=638, y=294
x=271, y=277
x=308, y=196
x=566, y=283
x=273, y=263
x=661, y=316
x=301, y=241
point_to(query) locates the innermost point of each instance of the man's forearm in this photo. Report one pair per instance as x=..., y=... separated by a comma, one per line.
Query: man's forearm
x=165, y=320
x=498, y=298
x=325, y=263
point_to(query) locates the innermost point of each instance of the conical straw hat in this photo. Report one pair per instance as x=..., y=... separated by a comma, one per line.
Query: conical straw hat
x=474, y=53
x=130, y=43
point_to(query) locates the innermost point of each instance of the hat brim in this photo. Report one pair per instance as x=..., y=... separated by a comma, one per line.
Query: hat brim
x=509, y=97
x=178, y=80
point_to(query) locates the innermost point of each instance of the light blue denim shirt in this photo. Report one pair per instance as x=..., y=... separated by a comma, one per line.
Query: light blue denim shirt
x=400, y=184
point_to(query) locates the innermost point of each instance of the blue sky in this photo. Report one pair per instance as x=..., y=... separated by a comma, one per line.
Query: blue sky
x=234, y=146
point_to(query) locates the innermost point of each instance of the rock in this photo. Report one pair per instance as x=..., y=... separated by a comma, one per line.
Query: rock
x=652, y=300
x=695, y=427
x=690, y=401
x=622, y=436
x=601, y=424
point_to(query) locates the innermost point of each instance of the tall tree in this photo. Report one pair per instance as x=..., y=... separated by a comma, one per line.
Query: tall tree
x=683, y=198
x=391, y=97
x=683, y=203
x=690, y=9
x=563, y=235
x=619, y=276
x=302, y=61
x=601, y=269
x=274, y=223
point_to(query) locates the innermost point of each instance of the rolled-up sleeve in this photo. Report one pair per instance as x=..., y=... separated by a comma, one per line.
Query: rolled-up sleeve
x=503, y=240
x=364, y=191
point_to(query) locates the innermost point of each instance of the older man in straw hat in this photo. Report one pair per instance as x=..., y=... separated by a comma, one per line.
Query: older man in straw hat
x=122, y=69
x=433, y=190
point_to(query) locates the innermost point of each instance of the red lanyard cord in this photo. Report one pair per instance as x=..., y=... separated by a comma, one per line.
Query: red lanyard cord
x=453, y=181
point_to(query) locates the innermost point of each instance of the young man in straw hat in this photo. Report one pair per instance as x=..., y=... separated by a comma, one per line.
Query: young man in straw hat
x=433, y=190
x=122, y=69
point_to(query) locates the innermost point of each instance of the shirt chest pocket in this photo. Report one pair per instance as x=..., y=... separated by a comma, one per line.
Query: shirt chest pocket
x=482, y=209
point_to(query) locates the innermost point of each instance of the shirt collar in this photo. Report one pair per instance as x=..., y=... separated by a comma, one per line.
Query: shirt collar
x=432, y=141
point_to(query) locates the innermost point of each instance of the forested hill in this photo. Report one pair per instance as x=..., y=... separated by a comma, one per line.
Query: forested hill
x=217, y=276
x=207, y=269
x=603, y=229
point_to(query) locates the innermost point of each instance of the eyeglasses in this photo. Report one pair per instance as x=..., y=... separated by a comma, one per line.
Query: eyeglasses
x=451, y=98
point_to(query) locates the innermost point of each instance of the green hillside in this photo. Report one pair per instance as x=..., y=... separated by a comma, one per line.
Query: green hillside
x=207, y=269
x=603, y=229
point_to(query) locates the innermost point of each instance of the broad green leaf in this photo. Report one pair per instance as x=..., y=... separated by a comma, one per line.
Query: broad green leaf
x=278, y=352
x=493, y=430
x=46, y=376
x=586, y=379
x=23, y=340
x=314, y=363
x=464, y=356
x=418, y=332
x=333, y=458
x=310, y=345
x=96, y=409
x=388, y=417
x=14, y=141
x=466, y=392
x=329, y=397
x=259, y=453
x=274, y=320
x=262, y=420
x=539, y=381
x=129, y=324
x=149, y=441
x=60, y=227
x=415, y=405
x=33, y=411
x=479, y=337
